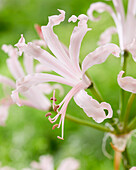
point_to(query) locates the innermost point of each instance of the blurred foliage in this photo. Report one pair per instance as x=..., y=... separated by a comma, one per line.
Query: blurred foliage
x=28, y=133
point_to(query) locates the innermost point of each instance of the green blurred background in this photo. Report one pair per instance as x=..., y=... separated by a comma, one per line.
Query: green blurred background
x=28, y=134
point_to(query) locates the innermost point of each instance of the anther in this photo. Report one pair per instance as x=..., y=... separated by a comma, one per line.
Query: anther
x=54, y=99
x=48, y=114
x=56, y=125
x=55, y=108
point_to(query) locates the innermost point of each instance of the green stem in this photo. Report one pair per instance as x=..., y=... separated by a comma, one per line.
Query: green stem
x=129, y=105
x=95, y=92
x=88, y=123
x=131, y=125
x=124, y=56
x=126, y=160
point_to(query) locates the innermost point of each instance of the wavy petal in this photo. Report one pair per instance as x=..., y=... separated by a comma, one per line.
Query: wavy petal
x=107, y=35
x=45, y=58
x=132, y=49
x=76, y=39
x=130, y=23
x=52, y=39
x=100, y=7
x=40, y=43
x=37, y=98
x=92, y=108
x=47, y=88
x=99, y=55
x=69, y=164
x=7, y=81
x=27, y=82
x=28, y=63
x=42, y=68
x=119, y=10
x=127, y=83
x=13, y=63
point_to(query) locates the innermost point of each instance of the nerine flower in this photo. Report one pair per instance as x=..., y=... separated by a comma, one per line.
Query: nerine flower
x=133, y=168
x=35, y=96
x=66, y=65
x=46, y=163
x=125, y=25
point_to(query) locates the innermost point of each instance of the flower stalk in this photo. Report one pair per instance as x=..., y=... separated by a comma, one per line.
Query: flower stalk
x=95, y=92
x=124, y=56
x=126, y=160
x=88, y=123
x=128, y=108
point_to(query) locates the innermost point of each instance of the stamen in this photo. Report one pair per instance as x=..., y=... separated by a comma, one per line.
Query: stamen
x=56, y=125
x=60, y=138
x=48, y=114
x=55, y=108
x=50, y=120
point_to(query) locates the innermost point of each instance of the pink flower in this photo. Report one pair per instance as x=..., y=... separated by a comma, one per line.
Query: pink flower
x=66, y=65
x=46, y=163
x=35, y=96
x=133, y=168
x=125, y=25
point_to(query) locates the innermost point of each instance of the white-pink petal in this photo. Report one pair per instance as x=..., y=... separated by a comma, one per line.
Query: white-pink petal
x=99, y=7
x=37, y=97
x=107, y=35
x=92, y=108
x=13, y=63
x=133, y=168
x=127, y=83
x=24, y=84
x=7, y=81
x=48, y=60
x=99, y=55
x=76, y=39
x=132, y=49
x=42, y=68
x=28, y=64
x=52, y=40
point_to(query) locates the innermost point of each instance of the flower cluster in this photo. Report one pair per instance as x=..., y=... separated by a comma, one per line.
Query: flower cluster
x=66, y=64
x=62, y=65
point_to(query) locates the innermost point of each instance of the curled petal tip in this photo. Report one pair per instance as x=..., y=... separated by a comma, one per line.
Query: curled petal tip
x=73, y=18
x=120, y=74
x=83, y=17
x=56, y=19
x=61, y=11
